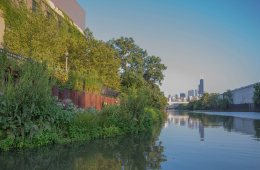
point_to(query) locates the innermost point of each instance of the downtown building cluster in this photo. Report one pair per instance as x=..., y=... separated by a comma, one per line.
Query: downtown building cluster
x=193, y=94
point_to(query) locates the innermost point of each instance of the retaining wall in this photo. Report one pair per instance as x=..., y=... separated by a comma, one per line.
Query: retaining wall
x=82, y=99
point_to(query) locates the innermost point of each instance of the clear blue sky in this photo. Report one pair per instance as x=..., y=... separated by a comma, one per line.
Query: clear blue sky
x=216, y=39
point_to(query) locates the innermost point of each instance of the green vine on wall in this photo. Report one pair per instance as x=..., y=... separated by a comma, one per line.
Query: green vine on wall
x=48, y=36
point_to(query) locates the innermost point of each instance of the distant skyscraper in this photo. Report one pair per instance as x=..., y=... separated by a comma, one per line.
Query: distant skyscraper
x=201, y=87
x=176, y=96
x=182, y=96
x=196, y=93
x=191, y=93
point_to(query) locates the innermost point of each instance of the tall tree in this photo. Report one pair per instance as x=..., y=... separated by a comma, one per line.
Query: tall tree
x=228, y=96
x=132, y=61
x=131, y=55
x=153, y=70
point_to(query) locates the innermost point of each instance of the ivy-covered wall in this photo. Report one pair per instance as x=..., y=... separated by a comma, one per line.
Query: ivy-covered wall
x=45, y=36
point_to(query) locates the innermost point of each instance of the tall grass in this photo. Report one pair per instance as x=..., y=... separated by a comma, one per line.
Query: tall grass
x=89, y=82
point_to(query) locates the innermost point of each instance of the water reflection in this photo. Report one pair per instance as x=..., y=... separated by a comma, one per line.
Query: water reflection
x=142, y=152
x=211, y=147
x=200, y=121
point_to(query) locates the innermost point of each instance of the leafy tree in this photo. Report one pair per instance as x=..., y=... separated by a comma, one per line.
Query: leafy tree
x=89, y=34
x=138, y=70
x=210, y=101
x=131, y=55
x=257, y=94
x=153, y=69
x=228, y=96
x=132, y=61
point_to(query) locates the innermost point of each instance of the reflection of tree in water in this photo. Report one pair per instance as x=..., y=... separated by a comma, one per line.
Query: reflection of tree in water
x=228, y=123
x=257, y=128
x=140, y=152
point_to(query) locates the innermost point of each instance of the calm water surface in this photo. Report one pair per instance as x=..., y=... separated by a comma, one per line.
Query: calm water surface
x=221, y=141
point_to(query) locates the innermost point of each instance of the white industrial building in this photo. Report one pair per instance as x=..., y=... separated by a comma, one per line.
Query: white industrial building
x=243, y=95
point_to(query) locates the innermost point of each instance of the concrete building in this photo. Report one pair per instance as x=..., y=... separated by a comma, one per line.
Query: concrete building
x=64, y=9
x=243, y=95
x=243, y=99
x=2, y=28
x=73, y=10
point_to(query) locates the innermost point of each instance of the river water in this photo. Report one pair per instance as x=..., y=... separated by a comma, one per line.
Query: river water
x=210, y=141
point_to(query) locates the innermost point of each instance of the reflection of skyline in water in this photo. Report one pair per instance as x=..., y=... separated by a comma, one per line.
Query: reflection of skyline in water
x=201, y=121
x=185, y=120
x=170, y=148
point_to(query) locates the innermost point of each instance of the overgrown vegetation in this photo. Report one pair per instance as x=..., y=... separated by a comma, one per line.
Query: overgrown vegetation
x=29, y=116
x=211, y=101
x=141, y=151
x=46, y=36
x=139, y=70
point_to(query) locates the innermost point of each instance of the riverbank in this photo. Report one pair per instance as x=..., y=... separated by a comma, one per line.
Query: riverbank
x=110, y=154
x=31, y=117
x=87, y=125
x=34, y=63
x=212, y=102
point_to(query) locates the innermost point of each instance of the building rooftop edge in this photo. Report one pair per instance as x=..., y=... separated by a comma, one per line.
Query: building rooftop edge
x=60, y=12
x=244, y=87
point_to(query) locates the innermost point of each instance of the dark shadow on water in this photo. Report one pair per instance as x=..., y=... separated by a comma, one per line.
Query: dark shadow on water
x=133, y=152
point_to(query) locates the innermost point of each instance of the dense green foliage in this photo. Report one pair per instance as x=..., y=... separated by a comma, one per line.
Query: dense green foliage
x=27, y=110
x=139, y=70
x=211, y=101
x=257, y=94
x=115, y=120
x=30, y=117
x=141, y=151
x=28, y=33
x=136, y=65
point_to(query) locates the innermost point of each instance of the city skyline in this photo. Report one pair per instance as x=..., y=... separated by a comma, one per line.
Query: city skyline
x=217, y=39
x=193, y=91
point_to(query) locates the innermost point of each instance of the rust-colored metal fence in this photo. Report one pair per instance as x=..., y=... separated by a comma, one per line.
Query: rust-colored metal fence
x=83, y=99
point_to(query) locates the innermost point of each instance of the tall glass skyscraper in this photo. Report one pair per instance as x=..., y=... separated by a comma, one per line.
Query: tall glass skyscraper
x=201, y=87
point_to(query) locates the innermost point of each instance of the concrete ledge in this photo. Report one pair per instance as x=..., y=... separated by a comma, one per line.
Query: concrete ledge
x=2, y=28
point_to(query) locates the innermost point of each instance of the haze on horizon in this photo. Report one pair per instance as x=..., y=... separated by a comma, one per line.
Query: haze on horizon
x=219, y=40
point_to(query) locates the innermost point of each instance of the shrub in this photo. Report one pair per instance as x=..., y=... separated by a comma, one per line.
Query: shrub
x=85, y=125
x=27, y=108
x=25, y=101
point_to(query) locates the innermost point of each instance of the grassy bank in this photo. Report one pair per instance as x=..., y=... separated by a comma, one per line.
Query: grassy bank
x=82, y=126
